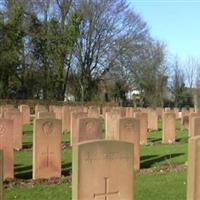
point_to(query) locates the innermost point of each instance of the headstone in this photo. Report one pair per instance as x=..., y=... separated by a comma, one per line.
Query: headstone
x=191, y=110
x=47, y=148
x=88, y=129
x=66, y=118
x=167, y=109
x=185, y=122
x=58, y=112
x=129, y=131
x=93, y=112
x=26, y=116
x=195, y=126
x=5, y=108
x=1, y=174
x=169, y=128
x=193, y=178
x=152, y=119
x=111, y=125
x=176, y=110
x=106, y=109
x=160, y=113
x=129, y=112
x=143, y=119
x=75, y=116
x=191, y=116
x=45, y=115
x=6, y=144
x=16, y=116
x=40, y=108
x=103, y=170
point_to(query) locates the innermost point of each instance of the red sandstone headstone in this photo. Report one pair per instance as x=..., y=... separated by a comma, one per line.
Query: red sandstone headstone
x=195, y=126
x=93, y=112
x=26, y=116
x=45, y=115
x=47, y=148
x=143, y=119
x=1, y=174
x=160, y=113
x=111, y=125
x=193, y=178
x=176, y=110
x=88, y=129
x=7, y=107
x=185, y=121
x=75, y=116
x=169, y=128
x=129, y=131
x=66, y=118
x=58, y=112
x=40, y=108
x=6, y=144
x=16, y=116
x=129, y=112
x=191, y=116
x=152, y=120
x=103, y=170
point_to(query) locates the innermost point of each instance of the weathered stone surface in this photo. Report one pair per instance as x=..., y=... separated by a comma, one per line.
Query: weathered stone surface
x=195, y=126
x=58, y=112
x=47, y=148
x=7, y=107
x=185, y=118
x=143, y=119
x=46, y=115
x=89, y=129
x=129, y=112
x=191, y=125
x=26, y=116
x=40, y=108
x=129, y=131
x=152, y=119
x=75, y=116
x=185, y=121
x=1, y=174
x=16, y=116
x=103, y=170
x=169, y=128
x=93, y=112
x=193, y=179
x=6, y=144
x=159, y=113
x=111, y=125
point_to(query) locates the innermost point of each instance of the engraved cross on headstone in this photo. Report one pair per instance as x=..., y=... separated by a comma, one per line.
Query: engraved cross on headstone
x=47, y=153
x=106, y=193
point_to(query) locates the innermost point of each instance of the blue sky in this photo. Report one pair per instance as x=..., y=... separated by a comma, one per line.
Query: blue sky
x=177, y=23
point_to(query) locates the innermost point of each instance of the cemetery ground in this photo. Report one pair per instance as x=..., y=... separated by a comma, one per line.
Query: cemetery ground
x=162, y=175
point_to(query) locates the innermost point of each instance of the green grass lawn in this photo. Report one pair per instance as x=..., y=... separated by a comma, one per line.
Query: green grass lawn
x=150, y=185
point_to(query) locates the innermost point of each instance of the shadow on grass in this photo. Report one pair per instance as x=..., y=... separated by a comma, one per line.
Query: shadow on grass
x=27, y=145
x=27, y=132
x=67, y=169
x=142, y=158
x=23, y=172
x=157, y=159
x=182, y=140
x=155, y=139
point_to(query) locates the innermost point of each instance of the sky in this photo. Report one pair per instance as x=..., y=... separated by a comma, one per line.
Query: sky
x=175, y=22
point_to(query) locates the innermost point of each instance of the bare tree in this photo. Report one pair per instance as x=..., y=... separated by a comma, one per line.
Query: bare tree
x=107, y=28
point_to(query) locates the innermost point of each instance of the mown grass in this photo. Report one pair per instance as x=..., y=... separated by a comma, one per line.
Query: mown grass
x=156, y=186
